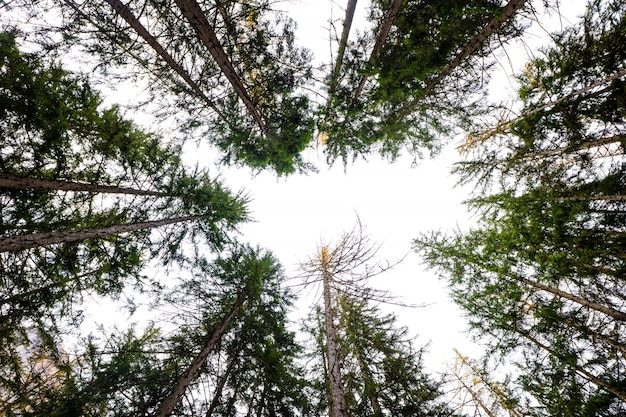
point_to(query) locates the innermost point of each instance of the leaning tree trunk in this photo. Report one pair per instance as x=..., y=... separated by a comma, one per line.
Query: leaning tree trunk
x=616, y=314
x=125, y=13
x=503, y=125
x=347, y=24
x=578, y=368
x=196, y=17
x=337, y=400
x=217, y=395
x=169, y=403
x=380, y=41
x=496, y=23
x=15, y=181
x=35, y=240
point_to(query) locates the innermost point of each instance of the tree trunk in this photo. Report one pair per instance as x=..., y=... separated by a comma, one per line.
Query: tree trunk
x=507, y=12
x=195, y=16
x=617, y=315
x=592, y=197
x=380, y=41
x=337, y=400
x=125, y=13
x=22, y=242
x=347, y=24
x=579, y=369
x=14, y=181
x=586, y=145
x=501, y=126
x=219, y=389
x=172, y=399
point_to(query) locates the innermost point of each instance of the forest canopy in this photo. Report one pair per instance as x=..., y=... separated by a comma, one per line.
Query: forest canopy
x=98, y=209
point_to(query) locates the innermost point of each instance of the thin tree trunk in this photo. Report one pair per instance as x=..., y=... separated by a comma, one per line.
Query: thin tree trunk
x=219, y=389
x=380, y=41
x=592, y=198
x=169, y=403
x=595, y=335
x=368, y=381
x=507, y=12
x=22, y=242
x=475, y=397
x=196, y=17
x=504, y=124
x=14, y=181
x=579, y=369
x=337, y=400
x=616, y=314
x=496, y=23
x=347, y=24
x=586, y=145
x=125, y=13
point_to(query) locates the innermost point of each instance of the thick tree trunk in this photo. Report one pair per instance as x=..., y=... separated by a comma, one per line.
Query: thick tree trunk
x=337, y=400
x=169, y=403
x=125, y=13
x=196, y=17
x=22, y=242
x=14, y=181
x=396, y=5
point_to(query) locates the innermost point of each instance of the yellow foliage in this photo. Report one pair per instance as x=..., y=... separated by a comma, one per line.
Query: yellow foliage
x=323, y=137
x=324, y=255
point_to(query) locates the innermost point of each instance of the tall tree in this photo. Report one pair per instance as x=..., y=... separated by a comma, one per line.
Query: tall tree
x=236, y=75
x=370, y=366
x=403, y=95
x=75, y=170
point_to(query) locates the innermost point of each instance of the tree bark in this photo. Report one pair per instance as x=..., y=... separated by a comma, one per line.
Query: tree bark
x=14, y=181
x=169, y=403
x=501, y=126
x=616, y=314
x=22, y=242
x=125, y=13
x=196, y=17
x=380, y=41
x=337, y=400
x=347, y=24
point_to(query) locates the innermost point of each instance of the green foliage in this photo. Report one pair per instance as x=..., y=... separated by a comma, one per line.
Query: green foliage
x=541, y=277
x=398, y=107
x=381, y=369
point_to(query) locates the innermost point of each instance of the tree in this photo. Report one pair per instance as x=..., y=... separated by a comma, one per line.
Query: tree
x=542, y=274
x=370, y=366
x=398, y=98
x=231, y=311
x=236, y=69
x=75, y=176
